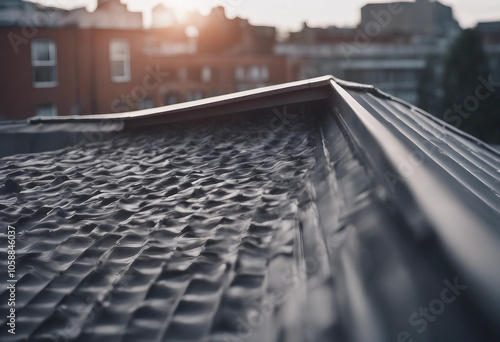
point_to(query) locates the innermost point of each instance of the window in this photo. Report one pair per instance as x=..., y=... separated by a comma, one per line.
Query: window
x=193, y=95
x=239, y=73
x=44, y=62
x=119, y=51
x=171, y=98
x=253, y=73
x=46, y=110
x=146, y=103
x=206, y=74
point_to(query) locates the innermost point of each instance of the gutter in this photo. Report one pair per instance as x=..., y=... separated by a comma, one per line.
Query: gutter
x=461, y=215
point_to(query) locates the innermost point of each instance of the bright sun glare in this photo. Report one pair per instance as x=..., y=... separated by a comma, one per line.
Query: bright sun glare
x=180, y=7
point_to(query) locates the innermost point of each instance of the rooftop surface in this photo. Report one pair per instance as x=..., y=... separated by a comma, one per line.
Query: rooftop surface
x=165, y=234
x=313, y=211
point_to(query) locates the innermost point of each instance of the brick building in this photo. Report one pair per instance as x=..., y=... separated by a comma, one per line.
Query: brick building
x=81, y=67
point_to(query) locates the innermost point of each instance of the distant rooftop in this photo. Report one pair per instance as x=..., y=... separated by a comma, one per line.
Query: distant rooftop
x=489, y=27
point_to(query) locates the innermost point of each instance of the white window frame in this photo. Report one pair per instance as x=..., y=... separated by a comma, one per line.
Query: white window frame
x=206, y=74
x=264, y=73
x=253, y=73
x=52, y=62
x=53, y=109
x=193, y=95
x=146, y=103
x=239, y=73
x=120, y=57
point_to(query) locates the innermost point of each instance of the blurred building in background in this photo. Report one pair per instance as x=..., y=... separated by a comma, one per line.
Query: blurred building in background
x=60, y=62
x=490, y=31
x=163, y=16
x=28, y=14
x=399, y=47
x=105, y=61
x=109, y=14
x=421, y=18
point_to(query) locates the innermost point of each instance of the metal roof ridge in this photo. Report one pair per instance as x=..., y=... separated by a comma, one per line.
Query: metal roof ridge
x=253, y=94
x=381, y=94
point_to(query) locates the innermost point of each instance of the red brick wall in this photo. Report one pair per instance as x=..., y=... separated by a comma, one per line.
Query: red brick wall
x=84, y=75
x=18, y=96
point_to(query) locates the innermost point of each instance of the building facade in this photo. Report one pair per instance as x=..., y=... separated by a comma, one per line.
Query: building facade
x=421, y=17
x=399, y=47
x=59, y=62
x=82, y=67
x=109, y=14
x=490, y=31
x=24, y=13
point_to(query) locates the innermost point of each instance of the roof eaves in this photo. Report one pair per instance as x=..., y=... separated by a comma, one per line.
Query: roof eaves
x=306, y=90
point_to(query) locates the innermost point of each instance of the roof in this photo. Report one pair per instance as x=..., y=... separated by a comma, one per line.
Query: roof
x=318, y=210
x=489, y=27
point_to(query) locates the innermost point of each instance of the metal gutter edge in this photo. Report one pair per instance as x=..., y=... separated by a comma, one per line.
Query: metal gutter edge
x=433, y=203
x=243, y=96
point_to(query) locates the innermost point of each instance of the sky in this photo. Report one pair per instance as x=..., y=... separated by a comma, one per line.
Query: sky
x=288, y=15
